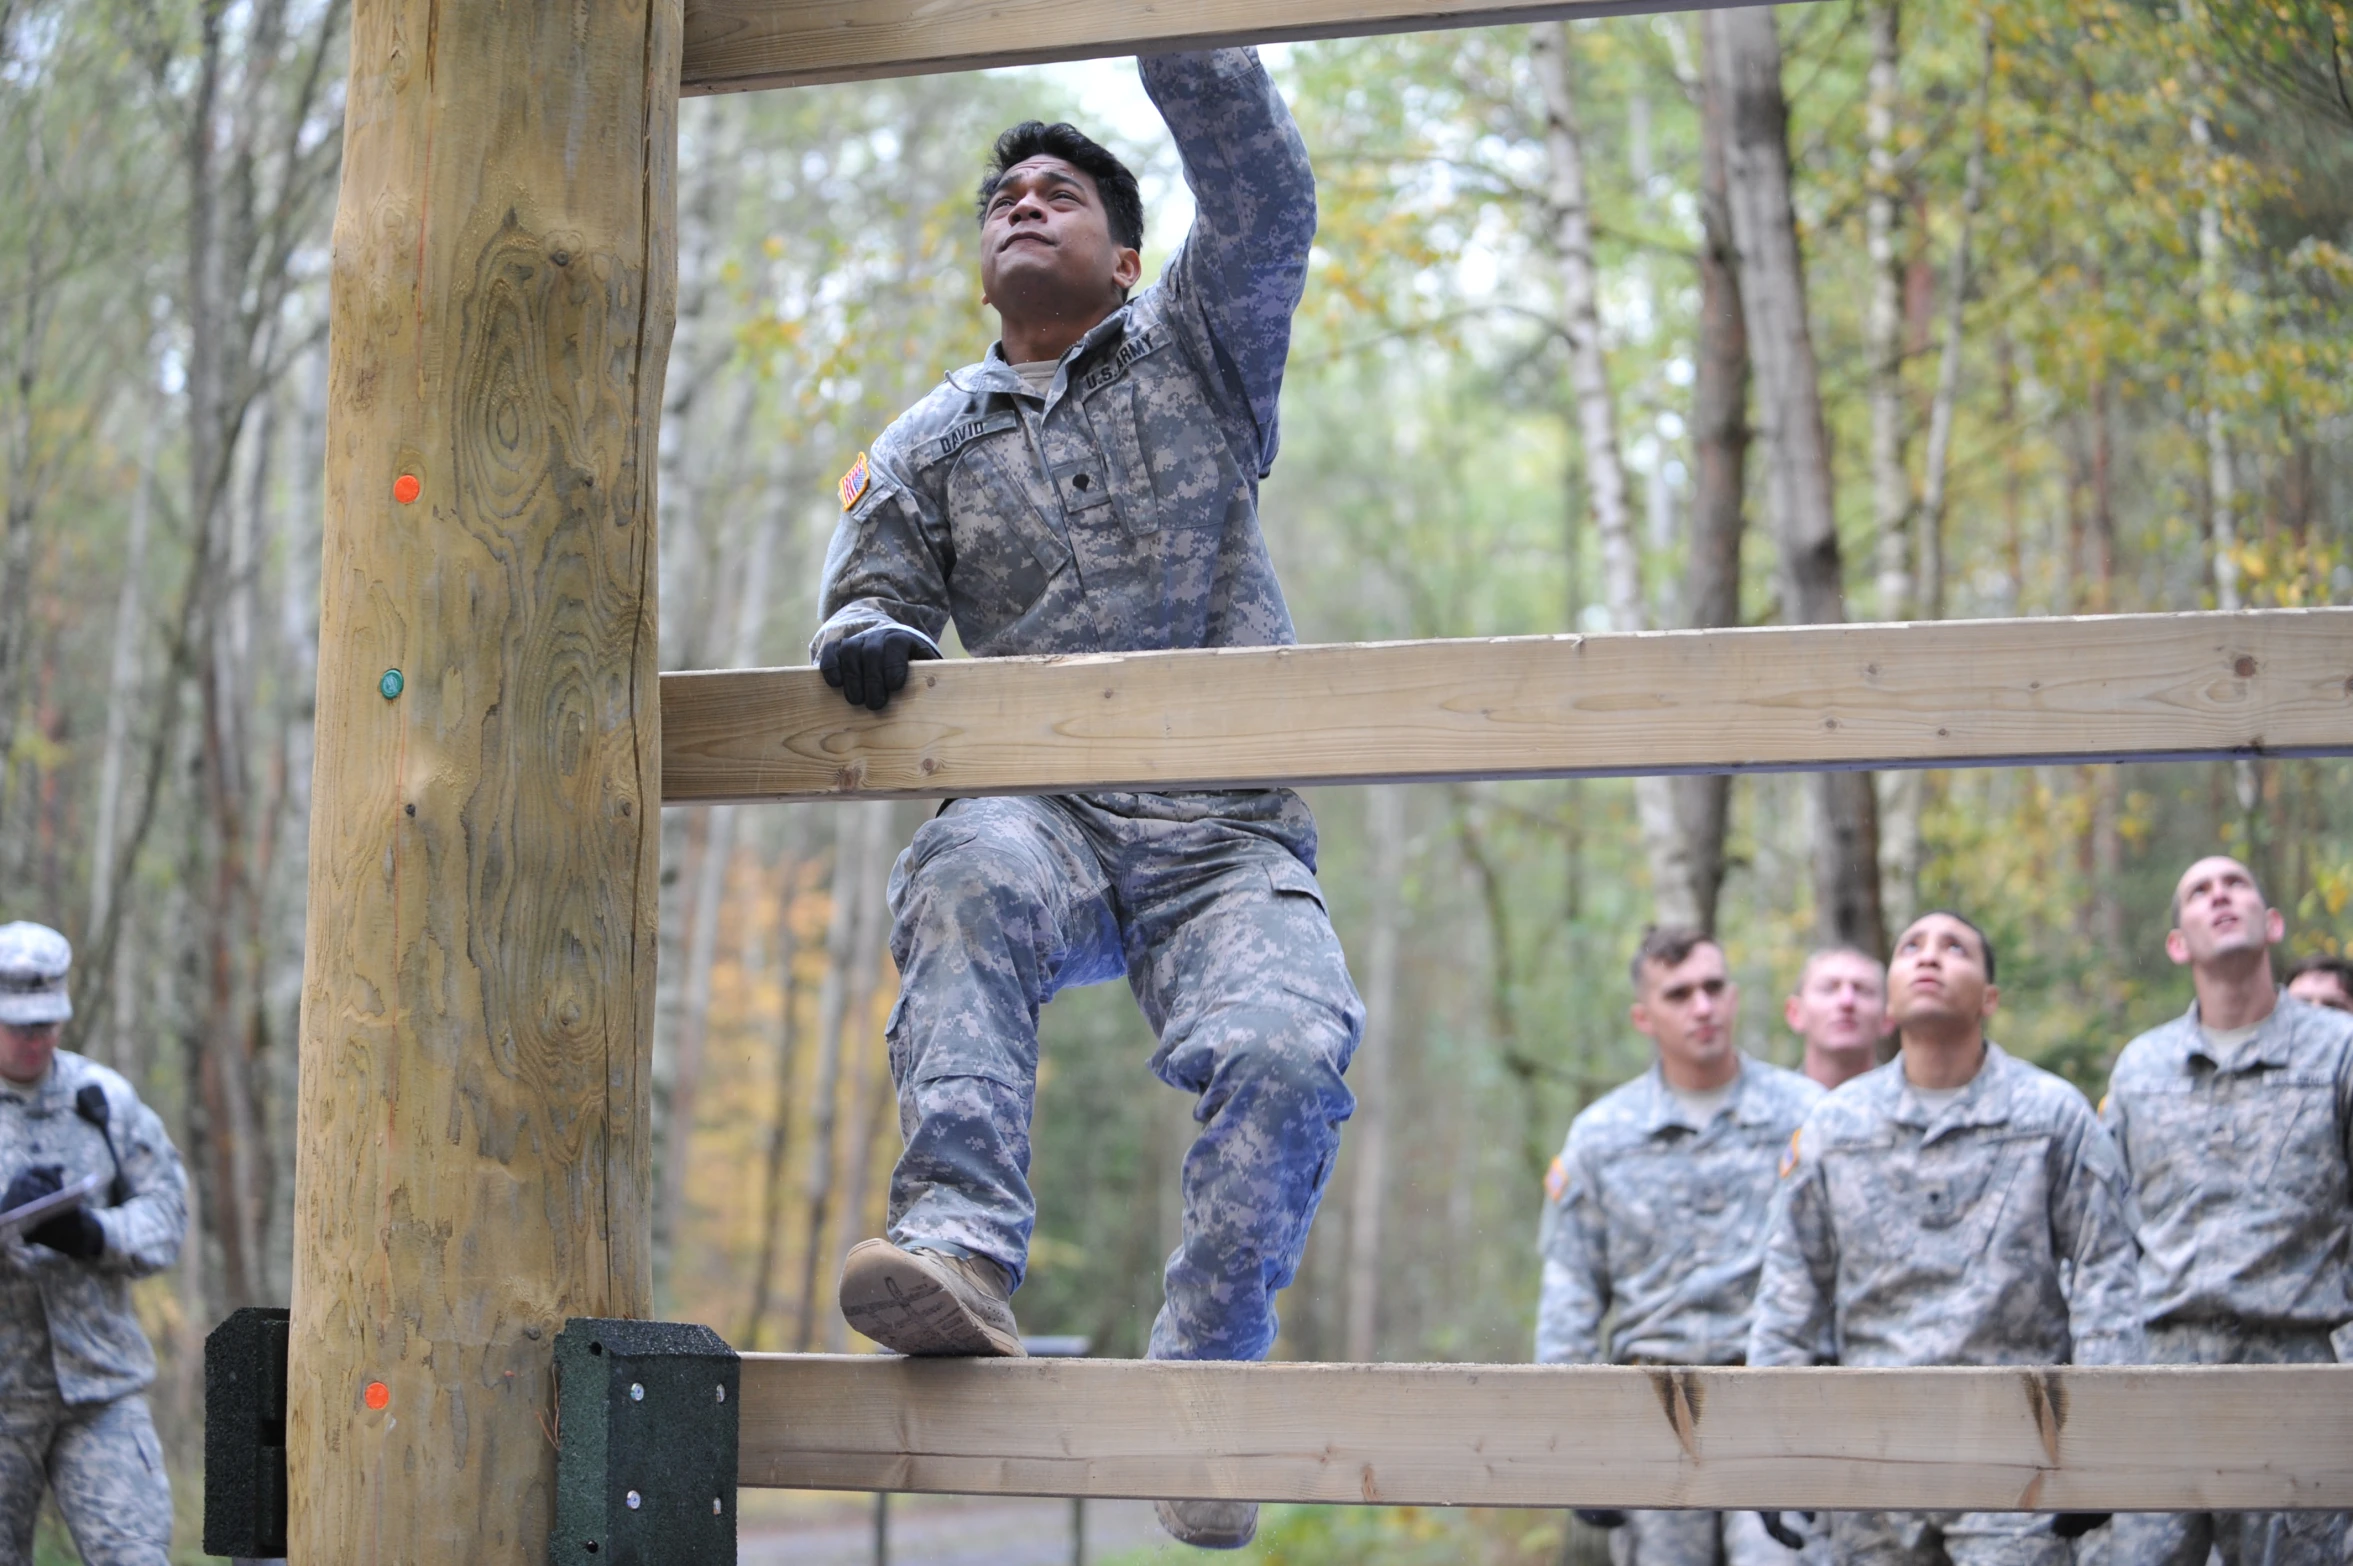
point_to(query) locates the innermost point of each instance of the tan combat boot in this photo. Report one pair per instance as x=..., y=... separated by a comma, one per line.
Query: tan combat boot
x=925, y=1302
x=1209, y=1525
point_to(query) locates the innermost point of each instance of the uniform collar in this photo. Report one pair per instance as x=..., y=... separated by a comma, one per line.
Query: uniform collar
x=2271, y=1045
x=995, y=373
x=1665, y=1110
x=1984, y=1102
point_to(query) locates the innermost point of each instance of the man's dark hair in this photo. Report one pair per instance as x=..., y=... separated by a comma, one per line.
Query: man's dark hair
x=1985, y=942
x=1123, y=203
x=2322, y=962
x=1668, y=945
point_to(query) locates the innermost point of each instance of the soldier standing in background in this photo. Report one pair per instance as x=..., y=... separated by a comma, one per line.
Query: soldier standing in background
x=2322, y=981
x=1956, y=1206
x=74, y=1366
x=2235, y=1121
x=1655, y=1209
x=1839, y=1009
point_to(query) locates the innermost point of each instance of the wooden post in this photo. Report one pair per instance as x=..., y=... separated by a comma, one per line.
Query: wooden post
x=478, y=987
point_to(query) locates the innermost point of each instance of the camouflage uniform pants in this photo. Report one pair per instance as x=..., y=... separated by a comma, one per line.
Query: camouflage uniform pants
x=1696, y=1539
x=1946, y=1539
x=1206, y=904
x=2241, y=1538
x=104, y=1463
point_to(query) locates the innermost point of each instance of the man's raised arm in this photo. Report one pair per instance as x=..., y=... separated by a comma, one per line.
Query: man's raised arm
x=1243, y=267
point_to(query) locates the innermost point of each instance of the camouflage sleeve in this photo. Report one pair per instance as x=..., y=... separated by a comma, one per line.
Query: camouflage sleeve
x=2092, y=1226
x=1239, y=275
x=1792, y=1325
x=143, y=1235
x=883, y=567
x=1575, y=1294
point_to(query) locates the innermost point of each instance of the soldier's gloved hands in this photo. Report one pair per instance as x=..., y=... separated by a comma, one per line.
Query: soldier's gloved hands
x=76, y=1234
x=1600, y=1518
x=33, y=1184
x=1783, y=1534
x=2074, y=1525
x=870, y=667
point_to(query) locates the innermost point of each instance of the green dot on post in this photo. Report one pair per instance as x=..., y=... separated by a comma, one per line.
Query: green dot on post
x=390, y=685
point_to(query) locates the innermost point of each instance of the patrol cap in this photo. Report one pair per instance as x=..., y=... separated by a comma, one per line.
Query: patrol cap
x=33, y=962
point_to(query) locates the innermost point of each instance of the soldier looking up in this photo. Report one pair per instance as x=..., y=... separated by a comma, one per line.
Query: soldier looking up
x=1655, y=1211
x=74, y=1366
x=1956, y=1206
x=2235, y=1121
x=1839, y=1009
x=1092, y=486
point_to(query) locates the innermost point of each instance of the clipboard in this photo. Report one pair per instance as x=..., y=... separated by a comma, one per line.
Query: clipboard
x=41, y=1209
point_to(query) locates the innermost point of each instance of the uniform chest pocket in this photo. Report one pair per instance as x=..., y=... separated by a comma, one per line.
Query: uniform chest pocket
x=1179, y=446
x=1006, y=550
x=1941, y=1187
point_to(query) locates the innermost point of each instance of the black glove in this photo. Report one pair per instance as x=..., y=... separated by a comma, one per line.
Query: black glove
x=1600, y=1519
x=39, y=1181
x=2074, y=1525
x=77, y=1234
x=869, y=667
x=1784, y=1535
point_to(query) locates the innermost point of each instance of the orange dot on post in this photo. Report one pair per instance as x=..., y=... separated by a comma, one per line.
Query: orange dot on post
x=406, y=489
x=377, y=1395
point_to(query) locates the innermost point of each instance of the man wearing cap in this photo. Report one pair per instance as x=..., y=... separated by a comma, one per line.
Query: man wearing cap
x=74, y=1366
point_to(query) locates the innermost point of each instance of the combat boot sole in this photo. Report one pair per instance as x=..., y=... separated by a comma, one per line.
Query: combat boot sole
x=1209, y=1525
x=926, y=1303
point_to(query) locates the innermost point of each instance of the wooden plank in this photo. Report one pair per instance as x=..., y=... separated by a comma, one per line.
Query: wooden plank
x=1953, y=693
x=478, y=986
x=1527, y=1435
x=733, y=45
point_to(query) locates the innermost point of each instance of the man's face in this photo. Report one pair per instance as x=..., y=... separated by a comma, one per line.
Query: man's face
x=25, y=1050
x=1841, y=1004
x=1938, y=974
x=1689, y=1009
x=2219, y=914
x=1045, y=244
x=2321, y=988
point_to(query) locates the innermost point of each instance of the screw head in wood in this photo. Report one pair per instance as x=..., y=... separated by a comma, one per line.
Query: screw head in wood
x=377, y=1396
x=391, y=685
x=406, y=489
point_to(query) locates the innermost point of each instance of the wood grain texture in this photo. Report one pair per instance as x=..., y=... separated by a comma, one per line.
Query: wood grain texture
x=1551, y=1435
x=1951, y=693
x=478, y=986
x=734, y=45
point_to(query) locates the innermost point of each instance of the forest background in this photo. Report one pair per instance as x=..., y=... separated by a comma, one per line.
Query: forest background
x=2052, y=319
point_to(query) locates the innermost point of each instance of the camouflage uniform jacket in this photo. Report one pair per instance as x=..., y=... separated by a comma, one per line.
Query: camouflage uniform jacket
x=1995, y=1232
x=2242, y=1169
x=67, y=1326
x=1663, y=1220
x=1120, y=511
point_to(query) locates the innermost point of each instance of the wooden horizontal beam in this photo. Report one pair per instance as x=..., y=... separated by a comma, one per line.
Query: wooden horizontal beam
x=1949, y=693
x=734, y=45
x=1529, y=1435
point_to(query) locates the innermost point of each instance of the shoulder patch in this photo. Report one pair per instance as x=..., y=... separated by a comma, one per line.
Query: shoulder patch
x=853, y=483
x=1556, y=1179
x=1796, y=1149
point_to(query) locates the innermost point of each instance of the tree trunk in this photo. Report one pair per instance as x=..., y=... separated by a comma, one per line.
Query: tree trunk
x=870, y=1077
x=1883, y=319
x=481, y=929
x=1719, y=438
x=1597, y=428
x=709, y=892
x=1369, y=1075
x=853, y=877
x=1930, y=541
x=779, y=1139
x=1746, y=55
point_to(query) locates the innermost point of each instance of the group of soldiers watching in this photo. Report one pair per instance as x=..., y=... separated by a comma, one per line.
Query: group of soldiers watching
x=1958, y=1206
